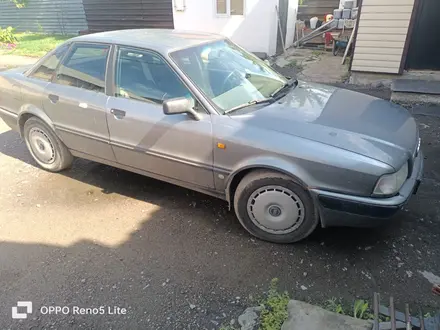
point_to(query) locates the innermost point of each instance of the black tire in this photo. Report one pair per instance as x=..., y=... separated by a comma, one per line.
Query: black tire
x=262, y=178
x=62, y=158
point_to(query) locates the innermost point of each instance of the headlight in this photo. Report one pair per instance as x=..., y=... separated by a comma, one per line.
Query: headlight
x=390, y=184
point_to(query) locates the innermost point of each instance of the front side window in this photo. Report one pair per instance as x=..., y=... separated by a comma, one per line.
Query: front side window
x=46, y=70
x=228, y=75
x=229, y=7
x=145, y=76
x=84, y=67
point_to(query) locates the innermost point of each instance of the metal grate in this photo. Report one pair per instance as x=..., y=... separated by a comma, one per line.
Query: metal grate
x=399, y=320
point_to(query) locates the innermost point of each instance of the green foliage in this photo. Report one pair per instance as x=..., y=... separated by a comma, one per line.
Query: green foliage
x=274, y=311
x=7, y=35
x=35, y=44
x=361, y=310
x=335, y=306
x=18, y=3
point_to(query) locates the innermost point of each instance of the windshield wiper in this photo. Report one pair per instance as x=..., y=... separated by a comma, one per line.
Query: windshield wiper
x=250, y=103
x=286, y=86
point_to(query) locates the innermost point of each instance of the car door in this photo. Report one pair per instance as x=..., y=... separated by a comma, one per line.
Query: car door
x=177, y=147
x=76, y=100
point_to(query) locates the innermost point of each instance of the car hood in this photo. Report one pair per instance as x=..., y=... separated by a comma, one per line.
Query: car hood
x=342, y=118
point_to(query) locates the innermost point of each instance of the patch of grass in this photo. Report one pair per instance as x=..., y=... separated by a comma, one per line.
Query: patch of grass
x=35, y=44
x=317, y=53
x=274, y=311
x=360, y=309
x=295, y=65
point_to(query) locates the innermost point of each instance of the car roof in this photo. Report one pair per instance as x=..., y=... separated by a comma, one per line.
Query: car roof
x=161, y=40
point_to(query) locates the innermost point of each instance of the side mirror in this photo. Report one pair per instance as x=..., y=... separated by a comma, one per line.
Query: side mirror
x=179, y=106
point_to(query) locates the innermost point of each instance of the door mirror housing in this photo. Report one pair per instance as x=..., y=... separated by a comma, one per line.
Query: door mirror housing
x=180, y=105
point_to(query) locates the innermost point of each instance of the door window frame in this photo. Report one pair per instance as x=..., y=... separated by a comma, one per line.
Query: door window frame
x=69, y=52
x=40, y=62
x=111, y=73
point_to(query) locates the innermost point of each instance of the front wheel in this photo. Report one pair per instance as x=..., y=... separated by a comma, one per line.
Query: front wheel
x=272, y=207
x=45, y=147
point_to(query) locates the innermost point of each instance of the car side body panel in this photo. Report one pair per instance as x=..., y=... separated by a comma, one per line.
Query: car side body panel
x=79, y=118
x=312, y=163
x=176, y=146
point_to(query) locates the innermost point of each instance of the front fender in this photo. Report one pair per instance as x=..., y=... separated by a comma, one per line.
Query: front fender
x=31, y=110
x=278, y=164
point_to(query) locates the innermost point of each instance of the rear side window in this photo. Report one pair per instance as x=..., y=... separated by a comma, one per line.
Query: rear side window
x=84, y=67
x=46, y=70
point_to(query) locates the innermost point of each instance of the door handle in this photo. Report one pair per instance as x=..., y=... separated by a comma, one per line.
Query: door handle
x=53, y=98
x=119, y=114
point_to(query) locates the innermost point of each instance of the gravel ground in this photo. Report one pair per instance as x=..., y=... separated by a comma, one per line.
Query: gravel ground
x=175, y=259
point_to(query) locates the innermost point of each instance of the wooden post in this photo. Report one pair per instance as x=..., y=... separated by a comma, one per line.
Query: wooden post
x=281, y=31
x=349, y=44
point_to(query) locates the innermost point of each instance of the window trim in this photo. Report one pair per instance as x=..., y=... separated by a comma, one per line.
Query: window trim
x=228, y=9
x=40, y=62
x=63, y=60
x=111, y=83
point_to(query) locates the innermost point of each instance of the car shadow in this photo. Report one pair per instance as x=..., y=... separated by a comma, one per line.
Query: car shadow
x=189, y=251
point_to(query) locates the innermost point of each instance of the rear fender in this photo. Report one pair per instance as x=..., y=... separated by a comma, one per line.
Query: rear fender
x=28, y=110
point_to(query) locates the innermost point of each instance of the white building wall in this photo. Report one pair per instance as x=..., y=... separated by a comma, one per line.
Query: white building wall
x=383, y=27
x=256, y=31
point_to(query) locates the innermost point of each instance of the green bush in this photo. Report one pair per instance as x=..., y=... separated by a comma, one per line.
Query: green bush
x=7, y=35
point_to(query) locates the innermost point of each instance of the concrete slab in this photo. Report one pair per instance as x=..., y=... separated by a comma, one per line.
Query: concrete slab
x=303, y=316
x=415, y=98
x=416, y=86
x=313, y=65
x=372, y=79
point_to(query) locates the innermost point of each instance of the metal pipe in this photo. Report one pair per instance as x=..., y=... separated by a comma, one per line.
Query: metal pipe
x=392, y=314
x=422, y=320
x=376, y=303
x=407, y=318
x=314, y=33
x=308, y=37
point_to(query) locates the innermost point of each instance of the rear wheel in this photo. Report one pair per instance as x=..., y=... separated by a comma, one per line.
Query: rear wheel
x=274, y=208
x=45, y=147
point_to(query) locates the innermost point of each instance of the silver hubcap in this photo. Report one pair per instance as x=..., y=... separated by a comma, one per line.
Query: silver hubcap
x=275, y=209
x=41, y=146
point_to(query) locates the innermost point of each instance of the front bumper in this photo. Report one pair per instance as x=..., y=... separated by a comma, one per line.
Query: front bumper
x=354, y=211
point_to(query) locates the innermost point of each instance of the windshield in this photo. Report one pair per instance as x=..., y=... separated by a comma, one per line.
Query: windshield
x=227, y=75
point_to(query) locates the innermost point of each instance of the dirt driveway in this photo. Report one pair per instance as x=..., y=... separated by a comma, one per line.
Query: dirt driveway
x=98, y=236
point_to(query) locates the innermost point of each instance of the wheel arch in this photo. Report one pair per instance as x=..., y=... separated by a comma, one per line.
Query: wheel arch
x=27, y=111
x=292, y=170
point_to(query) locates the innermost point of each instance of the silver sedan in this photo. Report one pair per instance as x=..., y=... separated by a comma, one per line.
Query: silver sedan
x=199, y=111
